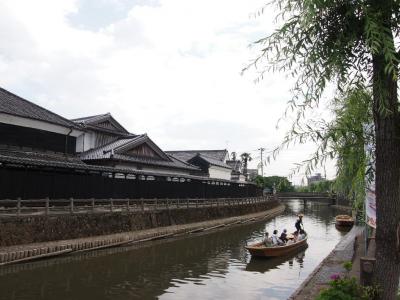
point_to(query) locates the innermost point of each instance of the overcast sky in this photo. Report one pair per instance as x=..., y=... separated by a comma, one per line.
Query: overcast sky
x=168, y=68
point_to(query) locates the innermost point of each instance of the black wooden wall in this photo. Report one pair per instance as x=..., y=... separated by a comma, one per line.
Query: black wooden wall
x=35, y=138
x=30, y=183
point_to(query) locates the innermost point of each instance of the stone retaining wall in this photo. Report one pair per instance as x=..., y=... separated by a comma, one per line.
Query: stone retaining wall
x=22, y=253
x=34, y=229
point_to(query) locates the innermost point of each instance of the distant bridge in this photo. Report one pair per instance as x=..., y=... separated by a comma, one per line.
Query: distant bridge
x=315, y=197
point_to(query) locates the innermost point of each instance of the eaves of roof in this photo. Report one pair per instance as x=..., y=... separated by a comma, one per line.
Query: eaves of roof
x=17, y=106
x=25, y=159
x=214, y=162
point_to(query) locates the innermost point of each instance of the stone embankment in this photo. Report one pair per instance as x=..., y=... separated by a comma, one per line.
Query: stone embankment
x=221, y=217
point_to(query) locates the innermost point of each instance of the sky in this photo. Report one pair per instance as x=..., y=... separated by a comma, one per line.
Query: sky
x=168, y=68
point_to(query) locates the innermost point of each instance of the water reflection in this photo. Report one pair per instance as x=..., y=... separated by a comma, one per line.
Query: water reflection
x=263, y=265
x=208, y=266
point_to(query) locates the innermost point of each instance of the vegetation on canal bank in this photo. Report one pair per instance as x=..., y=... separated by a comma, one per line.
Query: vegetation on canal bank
x=346, y=288
x=351, y=44
x=318, y=187
x=281, y=184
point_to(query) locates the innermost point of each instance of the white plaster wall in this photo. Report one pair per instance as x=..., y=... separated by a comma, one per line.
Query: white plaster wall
x=85, y=141
x=89, y=140
x=79, y=143
x=242, y=178
x=220, y=173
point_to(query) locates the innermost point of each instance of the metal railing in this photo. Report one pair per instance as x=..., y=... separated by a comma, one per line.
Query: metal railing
x=22, y=207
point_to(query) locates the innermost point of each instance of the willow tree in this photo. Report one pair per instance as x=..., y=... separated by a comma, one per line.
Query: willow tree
x=343, y=139
x=348, y=42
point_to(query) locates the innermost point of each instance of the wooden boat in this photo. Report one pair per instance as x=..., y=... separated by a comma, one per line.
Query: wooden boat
x=262, y=265
x=344, y=220
x=259, y=249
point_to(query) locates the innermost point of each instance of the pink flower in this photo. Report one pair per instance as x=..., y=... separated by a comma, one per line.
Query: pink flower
x=335, y=277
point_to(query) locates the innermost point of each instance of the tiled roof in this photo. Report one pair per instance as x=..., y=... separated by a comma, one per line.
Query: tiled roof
x=110, y=151
x=189, y=154
x=60, y=161
x=91, y=119
x=14, y=105
x=105, y=151
x=94, y=121
x=41, y=158
x=212, y=161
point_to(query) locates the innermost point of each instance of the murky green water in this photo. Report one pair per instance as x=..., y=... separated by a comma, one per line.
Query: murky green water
x=208, y=266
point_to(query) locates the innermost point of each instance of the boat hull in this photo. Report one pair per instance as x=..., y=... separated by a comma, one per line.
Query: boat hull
x=344, y=221
x=262, y=251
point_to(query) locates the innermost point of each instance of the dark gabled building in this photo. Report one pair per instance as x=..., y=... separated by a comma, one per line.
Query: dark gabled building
x=30, y=131
x=105, y=142
x=45, y=155
x=211, y=162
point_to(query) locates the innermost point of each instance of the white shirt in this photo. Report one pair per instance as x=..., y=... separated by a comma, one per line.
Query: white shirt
x=274, y=239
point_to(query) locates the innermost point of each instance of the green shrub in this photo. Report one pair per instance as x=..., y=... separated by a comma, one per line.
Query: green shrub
x=348, y=266
x=346, y=289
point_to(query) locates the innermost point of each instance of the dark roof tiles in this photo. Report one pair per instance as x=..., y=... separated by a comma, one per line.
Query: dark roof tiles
x=14, y=105
x=110, y=151
x=212, y=161
x=188, y=154
x=95, y=123
x=60, y=161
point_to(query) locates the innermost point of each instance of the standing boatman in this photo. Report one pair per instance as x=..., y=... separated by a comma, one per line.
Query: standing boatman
x=299, y=223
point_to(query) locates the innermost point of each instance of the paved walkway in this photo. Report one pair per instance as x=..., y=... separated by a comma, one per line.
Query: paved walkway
x=332, y=264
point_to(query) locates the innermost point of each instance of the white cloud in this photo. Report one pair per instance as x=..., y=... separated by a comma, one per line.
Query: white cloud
x=170, y=68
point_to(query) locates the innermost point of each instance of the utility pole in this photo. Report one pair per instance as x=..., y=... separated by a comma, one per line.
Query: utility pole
x=262, y=162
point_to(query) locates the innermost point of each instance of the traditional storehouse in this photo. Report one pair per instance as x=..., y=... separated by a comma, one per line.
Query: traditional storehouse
x=106, y=143
x=30, y=132
x=43, y=155
x=211, y=162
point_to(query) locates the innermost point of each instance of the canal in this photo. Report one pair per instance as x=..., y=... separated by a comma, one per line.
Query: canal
x=204, y=266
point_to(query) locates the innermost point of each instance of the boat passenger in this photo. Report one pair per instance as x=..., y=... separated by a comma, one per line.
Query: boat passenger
x=283, y=236
x=275, y=240
x=267, y=241
x=299, y=223
x=302, y=235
